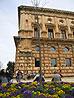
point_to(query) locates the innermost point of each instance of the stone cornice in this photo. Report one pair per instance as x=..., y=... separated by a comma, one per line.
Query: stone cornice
x=25, y=31
x=18, y=38
x=32, y=8
x=54, y=40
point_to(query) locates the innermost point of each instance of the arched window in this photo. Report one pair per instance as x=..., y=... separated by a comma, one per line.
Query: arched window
x=52, y=49
x=49, y=20
x=66, y=49
x=61, y=21
x=37, y=49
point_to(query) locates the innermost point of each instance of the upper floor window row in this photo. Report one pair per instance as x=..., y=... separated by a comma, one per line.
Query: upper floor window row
x=51, y=33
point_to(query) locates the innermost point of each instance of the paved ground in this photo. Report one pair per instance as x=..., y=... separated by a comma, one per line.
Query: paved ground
x=65, y=79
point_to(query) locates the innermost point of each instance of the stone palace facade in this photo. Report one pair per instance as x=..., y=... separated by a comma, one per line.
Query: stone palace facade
x=56, y=37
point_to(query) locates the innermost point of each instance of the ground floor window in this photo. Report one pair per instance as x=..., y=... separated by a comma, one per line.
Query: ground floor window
x=68, y=62
x=53, y=62
x=37, y=62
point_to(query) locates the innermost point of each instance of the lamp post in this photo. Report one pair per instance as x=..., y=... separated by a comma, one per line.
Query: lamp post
x=36, y=4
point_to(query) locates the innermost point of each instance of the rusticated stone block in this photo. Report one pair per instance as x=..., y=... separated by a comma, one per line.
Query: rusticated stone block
x=47, y=75
x=56, y=68
x=72, y=68
x=69, y=70
x=36, y=68
x=65, y=71
x=52, y=68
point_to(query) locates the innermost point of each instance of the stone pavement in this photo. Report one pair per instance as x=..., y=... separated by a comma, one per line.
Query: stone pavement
x=65, y=79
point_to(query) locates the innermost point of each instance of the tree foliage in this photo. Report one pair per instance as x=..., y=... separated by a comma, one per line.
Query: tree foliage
x=10, y=66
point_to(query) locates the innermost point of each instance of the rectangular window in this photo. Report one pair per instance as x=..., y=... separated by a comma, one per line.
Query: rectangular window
x=68, y=62
x=37, y=62
x=50, y=33
x=73, y=33
x=53, y=62
x=63, y=34
x=35, y=33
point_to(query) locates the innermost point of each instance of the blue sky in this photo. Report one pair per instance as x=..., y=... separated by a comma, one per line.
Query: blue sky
x=9, y=23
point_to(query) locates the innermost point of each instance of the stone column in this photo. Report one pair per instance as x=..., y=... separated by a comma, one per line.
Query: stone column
x=69, y=30
x=57, y=31
x=43, y=22
x=56, y=23
x=68, y=24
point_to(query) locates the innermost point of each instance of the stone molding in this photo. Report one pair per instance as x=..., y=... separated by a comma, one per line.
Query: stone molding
x=43, y=32
x=31, y=8
x=63, y=27
x=25, y=31
x=50, y=25
x=72, y=27
x=35, y=24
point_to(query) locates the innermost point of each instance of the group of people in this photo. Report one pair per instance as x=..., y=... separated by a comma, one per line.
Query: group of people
x=36, y=77
x=6, y=76
x=19, y=76
x=25, y=76
x=55, y=77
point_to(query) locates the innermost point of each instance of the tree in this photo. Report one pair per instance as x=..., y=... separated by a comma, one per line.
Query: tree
x=10, y=66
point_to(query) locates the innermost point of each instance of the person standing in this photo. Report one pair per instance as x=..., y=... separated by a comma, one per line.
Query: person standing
x=18, y=77
x=25, y=75
x=60, y=73
x=56, y=77
x=7, y=75
x=11, y=77
x=3, y=78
